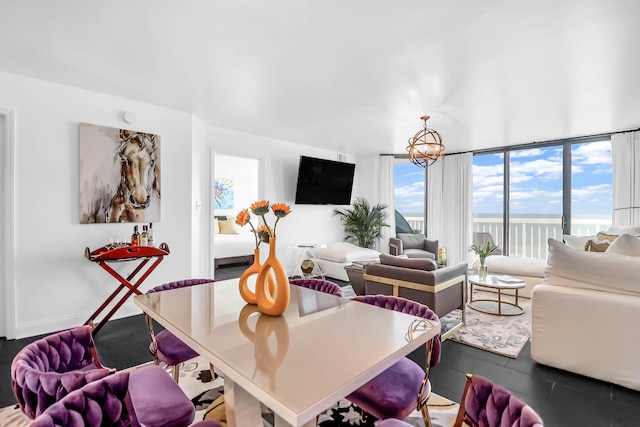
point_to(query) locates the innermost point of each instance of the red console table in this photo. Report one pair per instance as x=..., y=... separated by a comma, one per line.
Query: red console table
x=108, y=254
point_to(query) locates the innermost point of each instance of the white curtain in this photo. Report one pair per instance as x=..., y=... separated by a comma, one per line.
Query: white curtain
x=449, y=205
x=386, y=196
x=625, y=155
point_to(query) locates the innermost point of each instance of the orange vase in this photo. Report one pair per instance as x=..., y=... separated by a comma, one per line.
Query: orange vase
x=269, y=302
x=247, y=294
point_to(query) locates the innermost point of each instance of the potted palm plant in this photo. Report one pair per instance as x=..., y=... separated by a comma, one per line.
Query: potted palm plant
x=483, y=251
x=362, y=222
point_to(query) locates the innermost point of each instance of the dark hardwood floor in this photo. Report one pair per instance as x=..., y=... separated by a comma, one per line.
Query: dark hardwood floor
x=562, y=399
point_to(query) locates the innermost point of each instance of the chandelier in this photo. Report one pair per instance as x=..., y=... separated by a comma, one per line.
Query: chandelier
x=426, y=146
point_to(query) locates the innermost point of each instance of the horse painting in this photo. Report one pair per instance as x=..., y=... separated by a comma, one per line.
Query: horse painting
x=120, y=175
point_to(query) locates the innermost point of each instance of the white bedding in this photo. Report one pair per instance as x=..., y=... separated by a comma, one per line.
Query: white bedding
x=233, y=245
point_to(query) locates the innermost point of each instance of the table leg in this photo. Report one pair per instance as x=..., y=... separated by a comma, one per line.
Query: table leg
x=499, y=303
x=241, y=408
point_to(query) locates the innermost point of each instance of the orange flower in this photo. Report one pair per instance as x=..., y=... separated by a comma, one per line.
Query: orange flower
x=264, y=233
x=243, y=217
x=280, y=209
x=260, y=208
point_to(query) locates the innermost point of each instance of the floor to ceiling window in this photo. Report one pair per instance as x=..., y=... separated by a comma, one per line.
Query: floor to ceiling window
x=550, y=190
x=409, y=190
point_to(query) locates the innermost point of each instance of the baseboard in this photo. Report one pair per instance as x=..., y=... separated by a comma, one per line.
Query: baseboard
x=47, y=326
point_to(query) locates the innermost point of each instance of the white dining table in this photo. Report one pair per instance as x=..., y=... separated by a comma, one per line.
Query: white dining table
x=299, y=364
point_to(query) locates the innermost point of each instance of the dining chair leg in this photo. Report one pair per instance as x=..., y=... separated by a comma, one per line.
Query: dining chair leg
x=176, y=372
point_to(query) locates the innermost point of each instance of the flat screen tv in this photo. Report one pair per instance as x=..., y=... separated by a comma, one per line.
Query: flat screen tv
x=324, y=182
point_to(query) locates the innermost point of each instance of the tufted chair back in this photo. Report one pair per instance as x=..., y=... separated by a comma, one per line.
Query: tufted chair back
x=166, y=347
x=48, y=369
x=179, y=284
x=409, y=307
x=405, y=386
x=487, y=404
x=144, y=396
x=320, y=285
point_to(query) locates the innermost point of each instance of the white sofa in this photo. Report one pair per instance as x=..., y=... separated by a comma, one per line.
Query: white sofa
x=586, y=312
x=335, y=256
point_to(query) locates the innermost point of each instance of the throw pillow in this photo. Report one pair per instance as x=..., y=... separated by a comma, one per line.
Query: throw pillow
x=591, y=270
x=595, y=246
x=577, y=242
x=228, y=226
x=629, y=229
x=216, y=226
x=426, y=264
x=625, y=244
x=604, y=236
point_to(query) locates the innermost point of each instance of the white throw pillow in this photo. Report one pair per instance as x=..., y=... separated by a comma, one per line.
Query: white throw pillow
x=346, y=252
x=629, y=229
x=577, y=242
x=591, y=270
x=625, y=244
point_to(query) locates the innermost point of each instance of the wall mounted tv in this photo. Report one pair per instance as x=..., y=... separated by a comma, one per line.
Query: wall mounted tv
x=324, y=182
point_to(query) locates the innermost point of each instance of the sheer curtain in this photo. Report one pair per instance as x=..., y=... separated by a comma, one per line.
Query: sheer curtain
x=386, y=197
x=449, y=205
x=626, y=178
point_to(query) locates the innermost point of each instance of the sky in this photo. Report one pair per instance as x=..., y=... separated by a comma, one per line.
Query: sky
x=535, y=182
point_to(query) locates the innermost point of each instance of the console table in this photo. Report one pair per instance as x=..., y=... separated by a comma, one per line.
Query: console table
x=123, y=253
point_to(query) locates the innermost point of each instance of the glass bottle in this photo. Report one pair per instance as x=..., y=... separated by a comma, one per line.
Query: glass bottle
x=150, y=236
x=144, y=236
x=135, y=237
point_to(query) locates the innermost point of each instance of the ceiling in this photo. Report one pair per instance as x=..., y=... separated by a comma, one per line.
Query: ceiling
x=351, y=76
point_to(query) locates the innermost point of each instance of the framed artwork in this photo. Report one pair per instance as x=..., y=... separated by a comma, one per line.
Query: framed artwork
x=119, y=175
x=223, y=193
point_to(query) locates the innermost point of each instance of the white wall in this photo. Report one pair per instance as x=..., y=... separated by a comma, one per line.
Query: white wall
x=55, y=286
x=279, y=173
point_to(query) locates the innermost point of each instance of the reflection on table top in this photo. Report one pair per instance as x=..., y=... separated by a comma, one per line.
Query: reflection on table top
x=322, y=348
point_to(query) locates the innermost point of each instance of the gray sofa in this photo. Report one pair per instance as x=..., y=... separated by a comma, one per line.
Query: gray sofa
x=442, y=289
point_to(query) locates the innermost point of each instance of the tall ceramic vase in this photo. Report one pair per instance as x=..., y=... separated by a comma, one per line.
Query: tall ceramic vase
x=247, y=294
x=269, y=302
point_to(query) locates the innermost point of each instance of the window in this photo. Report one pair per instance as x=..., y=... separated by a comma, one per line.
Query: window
x=409, y=191
x=542, y=192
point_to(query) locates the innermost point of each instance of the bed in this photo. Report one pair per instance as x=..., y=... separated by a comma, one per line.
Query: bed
x=232, y=244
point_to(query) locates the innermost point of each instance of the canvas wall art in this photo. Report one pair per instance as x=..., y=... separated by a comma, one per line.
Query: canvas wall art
x=223, y=193
x=119, y=175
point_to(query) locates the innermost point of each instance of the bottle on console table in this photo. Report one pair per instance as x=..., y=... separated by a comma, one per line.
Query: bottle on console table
x=144, y=236
x=150, y=236
x=135, y=237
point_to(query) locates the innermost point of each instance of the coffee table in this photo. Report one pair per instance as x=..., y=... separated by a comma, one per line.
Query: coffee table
x=502, y=308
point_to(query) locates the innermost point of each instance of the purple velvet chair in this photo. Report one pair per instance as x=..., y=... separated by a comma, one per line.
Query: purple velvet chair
x=320, y=285
x=48, y=369
x=405, y=386
x=166, y=347
x=145, y=396
x=486, y=404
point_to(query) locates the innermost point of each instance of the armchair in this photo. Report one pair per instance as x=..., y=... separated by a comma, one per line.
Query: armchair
x=442, y=289
x=413, y=246
x=482, y=238
x=50, y=368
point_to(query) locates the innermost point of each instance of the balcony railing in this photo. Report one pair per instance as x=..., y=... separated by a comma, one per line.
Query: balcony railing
x=529, y=235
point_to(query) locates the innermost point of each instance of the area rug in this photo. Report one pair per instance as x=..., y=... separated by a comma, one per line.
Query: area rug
x=504, y=335
x=196, y=381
